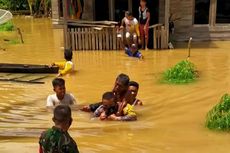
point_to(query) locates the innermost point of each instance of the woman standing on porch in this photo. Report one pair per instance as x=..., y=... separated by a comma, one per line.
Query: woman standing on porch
x=144, y=18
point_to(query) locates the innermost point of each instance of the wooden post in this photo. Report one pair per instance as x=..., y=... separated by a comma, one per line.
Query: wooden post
x=111, y=9
x=107, y=38
x=130, y=6
x=65, y=24
x=79, y=38
x=212, y=13
x=167, y=14
x=72, y=38
x=114, y=39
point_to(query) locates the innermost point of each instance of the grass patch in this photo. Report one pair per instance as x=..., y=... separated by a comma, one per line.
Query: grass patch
x=218, y=118
x=14, y=41
x=8, y=26
x=182, y=73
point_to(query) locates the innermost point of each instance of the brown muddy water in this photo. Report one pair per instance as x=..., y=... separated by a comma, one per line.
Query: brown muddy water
x=171, y=120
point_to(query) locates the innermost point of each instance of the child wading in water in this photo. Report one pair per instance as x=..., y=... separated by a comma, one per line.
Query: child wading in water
x=57, y=138
x=60, y=96
x=133, y=52
x=65, y=66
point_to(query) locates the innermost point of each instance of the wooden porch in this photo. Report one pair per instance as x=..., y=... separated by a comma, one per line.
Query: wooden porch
x=102, y=35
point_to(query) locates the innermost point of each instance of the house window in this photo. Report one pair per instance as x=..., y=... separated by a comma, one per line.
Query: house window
x=202, y=11
x=223, y=11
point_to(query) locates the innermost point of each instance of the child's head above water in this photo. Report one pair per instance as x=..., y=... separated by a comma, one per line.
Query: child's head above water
x=59, y=87
x=108, y=100
x=133, y=87
x=133, y=47
x=62, y=117
x=68, y=54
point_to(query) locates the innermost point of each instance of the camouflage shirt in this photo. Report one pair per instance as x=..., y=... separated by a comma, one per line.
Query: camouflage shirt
x=55, y=140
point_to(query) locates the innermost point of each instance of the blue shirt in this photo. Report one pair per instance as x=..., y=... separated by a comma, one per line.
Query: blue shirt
x=137, y=54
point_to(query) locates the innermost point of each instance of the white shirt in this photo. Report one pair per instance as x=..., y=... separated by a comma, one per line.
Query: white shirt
x=130, y=24
x=68, y=99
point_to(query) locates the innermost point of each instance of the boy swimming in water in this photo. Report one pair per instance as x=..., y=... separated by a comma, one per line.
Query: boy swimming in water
x=66, y=66
x=133, y=52
x=60, y=96
x=57, y=138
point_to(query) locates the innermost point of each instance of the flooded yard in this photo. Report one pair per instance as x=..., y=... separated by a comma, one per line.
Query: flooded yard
x=171, y=120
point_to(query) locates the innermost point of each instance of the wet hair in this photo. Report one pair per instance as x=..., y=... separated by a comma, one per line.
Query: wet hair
x=123, y=78
x=58, y=82
x=108, y=95
x=129, y=13
x=68, y=54
x=134, y=46
x=134, y=83
x=62, y=113
x=144, y=1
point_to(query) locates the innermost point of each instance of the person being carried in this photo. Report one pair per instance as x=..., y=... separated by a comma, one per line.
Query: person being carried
x=57, y=138
x=109, y=108
x=119, y=90
x=132, y=33
x=65, y=66
x=144, y=18
x=125, y=111
x=133, y=52
x=60, y=96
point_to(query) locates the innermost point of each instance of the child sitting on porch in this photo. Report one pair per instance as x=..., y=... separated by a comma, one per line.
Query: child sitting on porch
x=133, y=51
x=65, y=66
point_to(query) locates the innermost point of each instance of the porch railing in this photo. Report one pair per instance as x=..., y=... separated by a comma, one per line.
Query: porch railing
x=102, y=35
x=89, y=35
x=159, y=36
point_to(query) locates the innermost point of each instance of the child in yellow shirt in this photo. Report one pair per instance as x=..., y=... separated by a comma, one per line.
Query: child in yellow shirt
x=65, y=66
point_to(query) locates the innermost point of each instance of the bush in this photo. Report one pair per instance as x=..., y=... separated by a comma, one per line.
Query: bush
x=183, y=72
x=8, y=26
x=14, y=5
x=218, y=118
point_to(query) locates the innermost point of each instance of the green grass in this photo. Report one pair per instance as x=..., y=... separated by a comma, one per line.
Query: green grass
x=14, y=41
x=8, y=26
x=182, y=73
x=218, y=118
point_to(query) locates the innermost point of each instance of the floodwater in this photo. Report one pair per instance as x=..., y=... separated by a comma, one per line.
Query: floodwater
x=171, y=120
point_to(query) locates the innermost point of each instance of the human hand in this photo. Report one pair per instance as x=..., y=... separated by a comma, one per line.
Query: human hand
x=103, y=116
x=139, y=40
x=113, y=117
x=85, y=109
x=59, y=75
x=145, y=28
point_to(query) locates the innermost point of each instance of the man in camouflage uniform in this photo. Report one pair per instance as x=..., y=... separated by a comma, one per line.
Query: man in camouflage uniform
x=57, y=139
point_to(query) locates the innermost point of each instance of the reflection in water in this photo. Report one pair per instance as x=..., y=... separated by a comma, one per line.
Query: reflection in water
x=171, y=120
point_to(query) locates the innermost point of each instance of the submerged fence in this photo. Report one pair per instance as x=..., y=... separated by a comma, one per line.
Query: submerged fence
x=102, y=35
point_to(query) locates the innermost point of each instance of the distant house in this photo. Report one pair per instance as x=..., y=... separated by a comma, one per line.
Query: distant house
x=201, y=19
